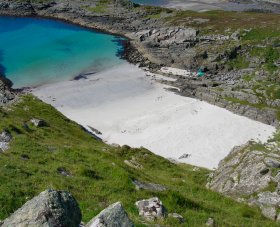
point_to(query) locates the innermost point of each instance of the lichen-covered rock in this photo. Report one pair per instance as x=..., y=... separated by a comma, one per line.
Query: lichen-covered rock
x=242, y=172
x=5, y=139
x=269, y=212
x=251, y=171
x=50, y=208
x=113, y=215
x=151, y=209
x=179, y=217
x=148, y=186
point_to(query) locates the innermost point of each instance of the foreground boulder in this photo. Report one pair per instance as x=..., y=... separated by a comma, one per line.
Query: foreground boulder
x=50, y=208
x=113, y=215
x=251, y=173
x=151, y=209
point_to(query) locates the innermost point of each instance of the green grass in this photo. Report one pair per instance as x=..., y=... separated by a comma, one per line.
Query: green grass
x=101, y=7
x=99, y=176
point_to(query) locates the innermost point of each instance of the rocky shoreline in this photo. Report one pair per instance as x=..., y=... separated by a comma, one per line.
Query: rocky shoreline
x=150, y=47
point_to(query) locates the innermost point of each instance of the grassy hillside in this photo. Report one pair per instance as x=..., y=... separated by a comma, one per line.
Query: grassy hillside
x=39, y=158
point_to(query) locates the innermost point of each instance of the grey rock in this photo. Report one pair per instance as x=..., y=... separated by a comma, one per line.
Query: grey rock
x=269, y=212
x=210, y=222
x=272, y=162
x=148, y=186
x=269, y=199
x=38, y=122
x=179, y=217
x=242, y=172
x=114, y=216
x=7, y=95
x=5, y=139
x=133, y=163
x=151, y=209
x=50, y=208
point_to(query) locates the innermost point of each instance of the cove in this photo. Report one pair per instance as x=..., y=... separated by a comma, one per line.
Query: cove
x=38, y=51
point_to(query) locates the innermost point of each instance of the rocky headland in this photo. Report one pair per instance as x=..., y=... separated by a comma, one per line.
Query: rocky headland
x=160, y=37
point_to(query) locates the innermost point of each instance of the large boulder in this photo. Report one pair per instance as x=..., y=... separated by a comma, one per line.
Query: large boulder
x=244, y=171
x=113, y=215
x=151, y=209
x=50, y=208
x=251, y=173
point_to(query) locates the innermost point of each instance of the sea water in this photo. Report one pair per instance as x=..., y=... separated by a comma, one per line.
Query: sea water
x=37, y=51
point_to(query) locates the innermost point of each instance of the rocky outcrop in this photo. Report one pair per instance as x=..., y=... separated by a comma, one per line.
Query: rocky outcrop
x=49, y=208
x=251, y=173
x=7, y=95
x=151, y=209
x=5, y=139
x=113, y=215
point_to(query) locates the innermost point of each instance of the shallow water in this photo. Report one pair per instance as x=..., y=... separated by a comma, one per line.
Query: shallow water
x=37, y=51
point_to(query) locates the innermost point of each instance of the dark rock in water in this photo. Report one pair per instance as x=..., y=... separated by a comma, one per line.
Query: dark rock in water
x=151, y=209
x=50, y=208
x=5, y=139
x=148, y=186
x=79, y=77
x=8, y=83
x=112, y=216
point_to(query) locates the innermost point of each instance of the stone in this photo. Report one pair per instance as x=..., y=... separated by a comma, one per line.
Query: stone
x=210, y=222
x=148, y=186
x=38, y=122
x=133, y=163
x=114, y=216
x=269, y=199
x=50, y=208
x=5, y=139
x=269, y=212
x=242, y=172
x=151, y=209
x=272, y=162
x=7, y=95
x=179, y=217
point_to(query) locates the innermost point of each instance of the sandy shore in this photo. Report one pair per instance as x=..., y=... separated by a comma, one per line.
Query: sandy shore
x=130, y=108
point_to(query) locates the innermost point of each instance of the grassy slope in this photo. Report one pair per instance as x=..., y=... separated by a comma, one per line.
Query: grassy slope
x=99, y=176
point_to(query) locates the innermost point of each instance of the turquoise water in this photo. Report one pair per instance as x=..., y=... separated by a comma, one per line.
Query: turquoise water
x=37, y=51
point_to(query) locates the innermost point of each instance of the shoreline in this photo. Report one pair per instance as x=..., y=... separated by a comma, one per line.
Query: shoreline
x=143, y=54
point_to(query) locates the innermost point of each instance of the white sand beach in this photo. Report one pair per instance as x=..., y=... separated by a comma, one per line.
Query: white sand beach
x=130, y=108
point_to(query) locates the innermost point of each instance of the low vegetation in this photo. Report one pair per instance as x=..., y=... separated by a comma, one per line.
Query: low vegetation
x=64, y=156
